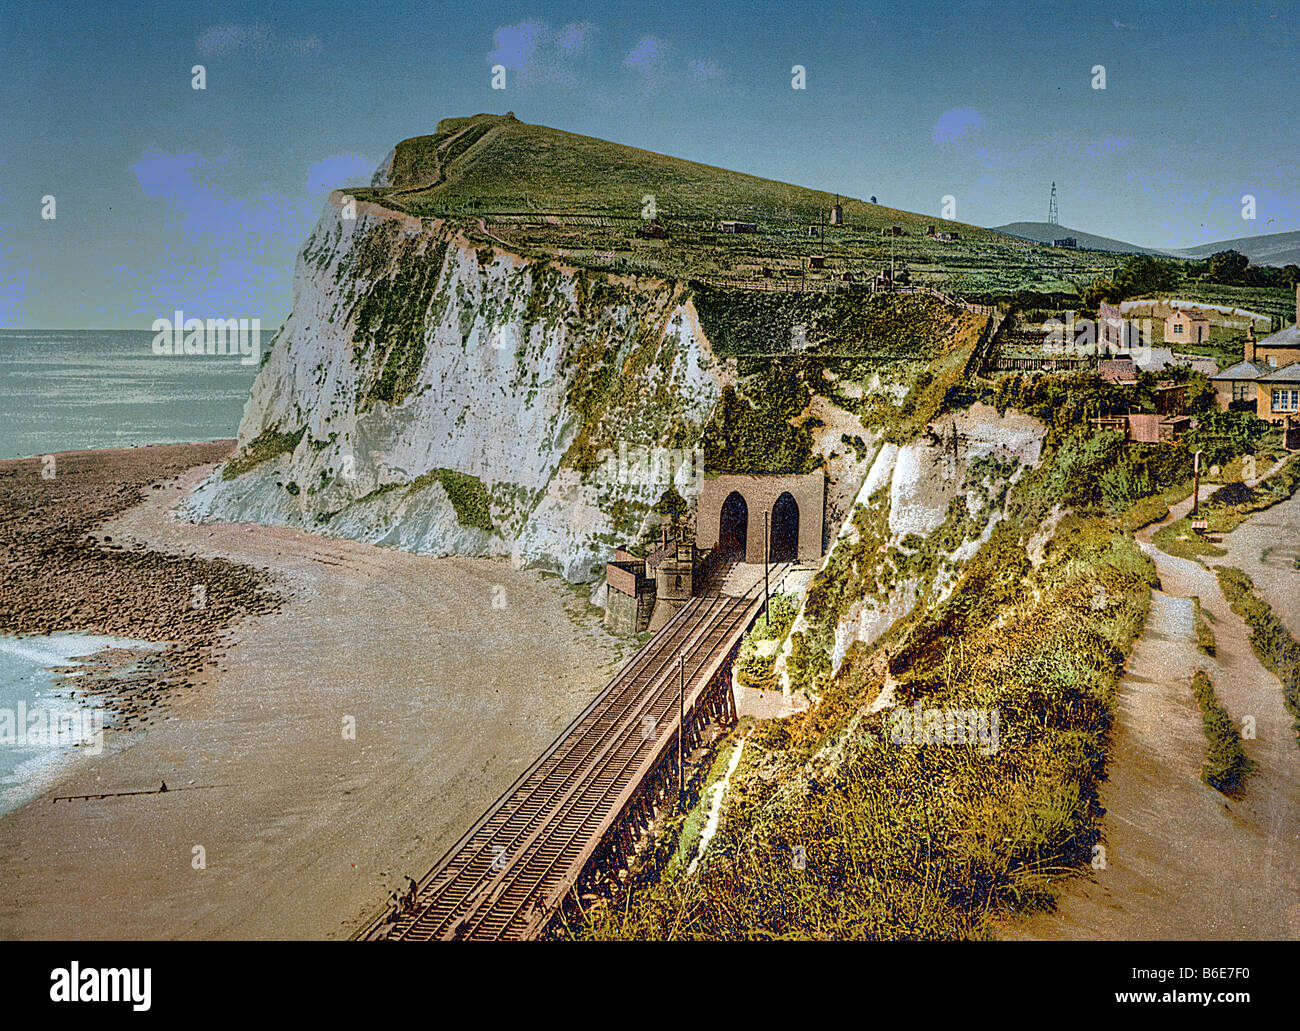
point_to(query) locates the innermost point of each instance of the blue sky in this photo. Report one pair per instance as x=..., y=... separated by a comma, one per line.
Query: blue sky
x=168, y=197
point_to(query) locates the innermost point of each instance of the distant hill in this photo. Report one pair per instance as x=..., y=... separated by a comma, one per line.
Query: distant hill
x=1273, y=249
x=1045, y=232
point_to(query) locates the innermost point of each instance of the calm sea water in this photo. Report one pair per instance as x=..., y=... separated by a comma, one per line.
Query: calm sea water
x=62, y=390
x=44, y=729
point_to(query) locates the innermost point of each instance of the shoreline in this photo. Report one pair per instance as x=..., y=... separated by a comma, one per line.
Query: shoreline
x=299, y=831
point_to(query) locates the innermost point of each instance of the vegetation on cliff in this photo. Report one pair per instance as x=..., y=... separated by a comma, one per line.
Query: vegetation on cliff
x=265, y=446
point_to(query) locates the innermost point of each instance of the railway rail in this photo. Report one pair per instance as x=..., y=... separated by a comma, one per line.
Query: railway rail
x=582, y=802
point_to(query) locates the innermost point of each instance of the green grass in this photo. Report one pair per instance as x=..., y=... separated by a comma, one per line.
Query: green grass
x=472, y=167
x=267, y=445
x=1204, y=634
x=752, y=669
x=468, y=496
x=1226, y=765
x=1225, y=510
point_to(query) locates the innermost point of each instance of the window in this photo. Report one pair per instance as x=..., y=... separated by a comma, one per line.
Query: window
x=1242, y=391
x=1286, y=400
x=1178, y=329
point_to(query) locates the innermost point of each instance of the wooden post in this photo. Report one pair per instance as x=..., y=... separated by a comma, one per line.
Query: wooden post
x=1196, y=482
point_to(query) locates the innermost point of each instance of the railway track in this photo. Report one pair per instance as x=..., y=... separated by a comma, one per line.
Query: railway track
x=507, y=875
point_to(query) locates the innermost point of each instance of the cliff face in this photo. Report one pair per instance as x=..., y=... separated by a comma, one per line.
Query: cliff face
x=923, y=510
x=442, y=398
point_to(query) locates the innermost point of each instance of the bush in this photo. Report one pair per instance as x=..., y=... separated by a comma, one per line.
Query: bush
x=1226, y=764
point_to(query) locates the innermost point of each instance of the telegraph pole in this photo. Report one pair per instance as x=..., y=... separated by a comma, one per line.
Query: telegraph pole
x=766, y=553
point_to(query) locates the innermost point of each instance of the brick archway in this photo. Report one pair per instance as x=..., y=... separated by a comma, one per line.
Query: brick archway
x=784, y=529
x=733, y=524
x=760, y=494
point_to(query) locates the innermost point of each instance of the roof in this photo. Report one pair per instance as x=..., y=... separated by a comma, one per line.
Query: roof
x=1286, y=374
x=1144, y=427
x=661, y=554
x=1244, y=370
x=1196, y=315
x=1289, y=337
x=1117, y=370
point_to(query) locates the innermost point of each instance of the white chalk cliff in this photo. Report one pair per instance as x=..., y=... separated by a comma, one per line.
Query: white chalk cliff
x=444, y=398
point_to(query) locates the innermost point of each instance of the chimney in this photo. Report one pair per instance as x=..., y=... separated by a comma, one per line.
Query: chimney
x=1250, y=341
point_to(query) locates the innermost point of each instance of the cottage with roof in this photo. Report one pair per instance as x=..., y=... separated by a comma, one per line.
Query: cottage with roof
x=1237, y=385
x=1187, y=327
x=1278, y=349
x=1279, y=394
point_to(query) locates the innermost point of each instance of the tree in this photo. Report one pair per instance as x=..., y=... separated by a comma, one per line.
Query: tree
x=1144, y=274
x=1227, y=266
x=671, y=506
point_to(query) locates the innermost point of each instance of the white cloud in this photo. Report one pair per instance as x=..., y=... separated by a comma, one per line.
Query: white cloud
x=537, y=54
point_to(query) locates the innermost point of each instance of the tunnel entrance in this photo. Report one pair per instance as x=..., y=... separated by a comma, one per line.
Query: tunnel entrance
x=733, y=526
x=785, y=529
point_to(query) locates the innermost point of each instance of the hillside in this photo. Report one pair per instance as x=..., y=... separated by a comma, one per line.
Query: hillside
x=1273, y=249
x=1045, y=232
x=547, y=194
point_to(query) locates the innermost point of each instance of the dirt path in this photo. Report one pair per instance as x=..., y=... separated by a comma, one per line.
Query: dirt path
x=304, y=831
x=1182, y=860
x=1265, y=547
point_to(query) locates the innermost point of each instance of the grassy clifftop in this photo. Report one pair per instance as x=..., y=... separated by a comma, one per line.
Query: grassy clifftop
x=506, y=181
x=497, y=162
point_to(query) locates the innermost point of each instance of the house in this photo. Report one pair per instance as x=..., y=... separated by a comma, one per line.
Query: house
x=1187, y=327
x=948, y=237
x=837, y=215
x=1278, y=349
x=813, y=231
x=929, y=230
x=817, y=261
x=1066, y=241
x=1120, y=371
x=891, y=231
x=732, y=226
x=1278, y=394
x=1237, y=385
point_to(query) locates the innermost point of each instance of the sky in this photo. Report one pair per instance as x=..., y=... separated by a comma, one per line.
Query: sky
x=168, y=197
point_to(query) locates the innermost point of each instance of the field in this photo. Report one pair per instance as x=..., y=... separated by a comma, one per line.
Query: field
x=546, y=193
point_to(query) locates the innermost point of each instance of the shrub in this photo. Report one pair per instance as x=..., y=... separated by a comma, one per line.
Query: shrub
x=1225, y=762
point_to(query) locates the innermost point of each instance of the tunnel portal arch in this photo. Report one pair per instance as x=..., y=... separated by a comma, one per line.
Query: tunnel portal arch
x=784, y=532
x=794, y=504
x=733, y=524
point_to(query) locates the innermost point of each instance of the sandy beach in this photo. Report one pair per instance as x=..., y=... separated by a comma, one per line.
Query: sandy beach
x=336, y=716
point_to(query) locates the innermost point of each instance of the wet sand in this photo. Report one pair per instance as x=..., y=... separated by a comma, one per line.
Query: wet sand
x=288, y=827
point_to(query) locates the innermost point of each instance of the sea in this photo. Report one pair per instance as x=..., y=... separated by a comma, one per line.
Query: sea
x=65, y=390
x=45, y=726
